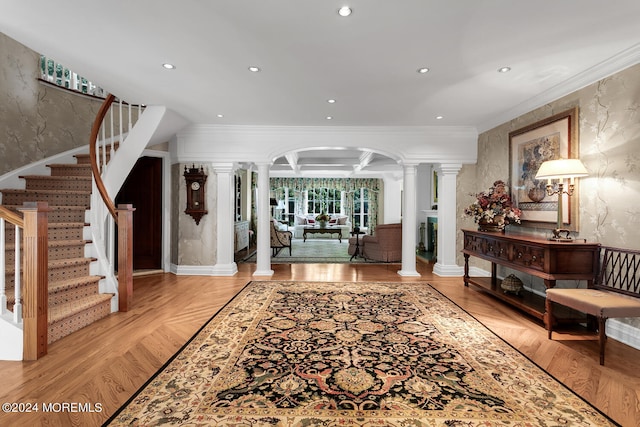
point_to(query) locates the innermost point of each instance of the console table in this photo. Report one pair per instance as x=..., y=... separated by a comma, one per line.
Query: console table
x=549, y=260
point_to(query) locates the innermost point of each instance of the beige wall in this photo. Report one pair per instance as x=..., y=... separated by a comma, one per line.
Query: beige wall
x=609, y=144
x=36, y=119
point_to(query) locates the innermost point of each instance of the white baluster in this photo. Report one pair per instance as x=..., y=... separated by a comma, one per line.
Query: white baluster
x=3, y=289
x=17, y=308
x=120, y=122
x=130, y=123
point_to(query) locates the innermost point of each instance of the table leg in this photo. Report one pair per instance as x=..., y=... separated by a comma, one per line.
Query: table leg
x=357, y=251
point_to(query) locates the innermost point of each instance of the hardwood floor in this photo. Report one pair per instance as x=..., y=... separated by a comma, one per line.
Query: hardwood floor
x=104, y=364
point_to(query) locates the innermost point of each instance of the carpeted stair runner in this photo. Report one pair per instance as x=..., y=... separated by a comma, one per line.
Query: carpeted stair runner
x=74, y=297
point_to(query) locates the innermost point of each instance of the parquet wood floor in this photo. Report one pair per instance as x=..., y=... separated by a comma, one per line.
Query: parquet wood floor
x=108, y=361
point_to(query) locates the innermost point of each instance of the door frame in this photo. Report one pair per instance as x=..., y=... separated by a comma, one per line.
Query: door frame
x=166, y=205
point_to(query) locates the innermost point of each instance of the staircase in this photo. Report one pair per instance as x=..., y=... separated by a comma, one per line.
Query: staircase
x=74, y=297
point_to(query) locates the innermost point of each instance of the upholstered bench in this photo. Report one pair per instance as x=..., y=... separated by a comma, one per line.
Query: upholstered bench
x=615, y=293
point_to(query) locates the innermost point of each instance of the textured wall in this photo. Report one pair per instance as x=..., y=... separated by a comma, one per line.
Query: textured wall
x=195, y=245
x=36, y=119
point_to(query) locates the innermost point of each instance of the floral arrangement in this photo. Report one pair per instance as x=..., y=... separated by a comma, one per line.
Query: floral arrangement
x=323, y=217
x=494, y=206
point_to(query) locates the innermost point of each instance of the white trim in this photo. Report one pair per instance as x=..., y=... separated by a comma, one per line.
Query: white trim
x=623, y=60
x=228, y=269
x=191, y=270
x=447, y=270
x=263, y=273
x=623, y=332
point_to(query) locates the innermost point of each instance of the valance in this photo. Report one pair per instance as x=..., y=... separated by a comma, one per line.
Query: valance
x=343, y=184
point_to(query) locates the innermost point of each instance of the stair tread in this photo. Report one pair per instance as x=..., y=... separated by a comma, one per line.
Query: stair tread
x=71, y=242
x=63, y=192
x=66, y=310
x=70, y=261
x=57, y=286
x=54, y=243
x=56, y=225
x=52, y=207
x=70, y=165
x=68, y=224
x=57, y=263
x=57, y=177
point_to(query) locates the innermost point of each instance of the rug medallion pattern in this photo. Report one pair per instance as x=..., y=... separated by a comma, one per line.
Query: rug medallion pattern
x=351, y=354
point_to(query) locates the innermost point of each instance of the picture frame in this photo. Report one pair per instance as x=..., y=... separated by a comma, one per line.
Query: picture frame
x=552, y=138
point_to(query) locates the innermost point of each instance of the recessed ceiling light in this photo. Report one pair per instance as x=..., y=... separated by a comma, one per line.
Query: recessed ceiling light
x=331, y=101
x=329, y=117
x=254, y=69
x=344, y=11
x=504, y=69
x=439, y=117
x=423, y=70
x=220, y=116
x=169, y=66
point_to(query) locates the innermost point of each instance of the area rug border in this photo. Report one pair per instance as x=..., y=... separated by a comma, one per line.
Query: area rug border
x=525, y=356
x=206, y=323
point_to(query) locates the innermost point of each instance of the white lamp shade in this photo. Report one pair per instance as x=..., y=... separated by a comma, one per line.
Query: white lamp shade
x=561, y=168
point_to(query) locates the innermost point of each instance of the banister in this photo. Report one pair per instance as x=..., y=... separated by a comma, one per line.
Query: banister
x=11, y=216
x=95, y=129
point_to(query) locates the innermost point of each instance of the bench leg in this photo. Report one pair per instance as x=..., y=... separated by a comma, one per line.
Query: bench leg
x=602, y=337
x=548, y=318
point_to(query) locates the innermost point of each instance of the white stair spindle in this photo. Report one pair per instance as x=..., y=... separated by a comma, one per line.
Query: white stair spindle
x=17, y=308
x=3, y=291
x=113, y=142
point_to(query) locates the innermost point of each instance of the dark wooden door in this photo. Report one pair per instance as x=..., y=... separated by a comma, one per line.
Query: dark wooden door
x=143, y=190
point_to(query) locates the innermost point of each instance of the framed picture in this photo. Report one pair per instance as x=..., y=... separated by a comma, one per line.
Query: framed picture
x=549, y=139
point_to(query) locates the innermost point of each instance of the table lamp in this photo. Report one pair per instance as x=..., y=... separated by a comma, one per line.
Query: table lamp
x=560, y=170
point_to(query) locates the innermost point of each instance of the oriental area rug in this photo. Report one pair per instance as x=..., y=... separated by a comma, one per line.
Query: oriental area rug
x=350, y=354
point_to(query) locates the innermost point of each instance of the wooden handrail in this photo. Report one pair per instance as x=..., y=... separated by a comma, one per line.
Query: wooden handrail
x=11, y=216
x=122, y=216
x=95, y=129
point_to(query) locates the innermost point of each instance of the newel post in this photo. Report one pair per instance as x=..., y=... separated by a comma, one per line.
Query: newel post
x=35, y=279
x=125, y=256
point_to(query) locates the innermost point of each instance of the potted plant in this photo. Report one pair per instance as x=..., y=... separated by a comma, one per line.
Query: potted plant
x=322, y=219
x=493, y=209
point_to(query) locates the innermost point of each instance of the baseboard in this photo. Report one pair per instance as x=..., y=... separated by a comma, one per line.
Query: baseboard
x=623, y=332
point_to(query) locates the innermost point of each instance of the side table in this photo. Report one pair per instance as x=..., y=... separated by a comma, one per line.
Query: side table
x=357, y=251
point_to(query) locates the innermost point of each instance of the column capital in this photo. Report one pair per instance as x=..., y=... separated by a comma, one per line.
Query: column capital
x=223, y=167
x=449, y=168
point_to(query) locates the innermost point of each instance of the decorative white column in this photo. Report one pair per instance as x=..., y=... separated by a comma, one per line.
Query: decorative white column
x=447, y=221
x=409, y=222
x=263, y=257
x=225, y=219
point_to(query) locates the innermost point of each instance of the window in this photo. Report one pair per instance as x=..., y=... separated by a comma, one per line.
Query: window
x=361, y=208
x=323, y=200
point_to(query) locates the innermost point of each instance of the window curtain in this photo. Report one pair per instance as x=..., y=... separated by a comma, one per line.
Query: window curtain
x=349, y=185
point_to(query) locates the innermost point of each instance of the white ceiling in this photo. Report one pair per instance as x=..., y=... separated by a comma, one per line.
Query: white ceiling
x=309, y=54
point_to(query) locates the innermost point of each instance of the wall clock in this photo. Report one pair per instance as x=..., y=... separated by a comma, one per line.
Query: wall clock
x=195, y=179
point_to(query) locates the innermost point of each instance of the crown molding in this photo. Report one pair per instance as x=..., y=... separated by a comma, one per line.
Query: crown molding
x=617, y=63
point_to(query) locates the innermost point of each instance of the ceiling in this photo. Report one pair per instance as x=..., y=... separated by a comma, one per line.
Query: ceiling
x=308, y=54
